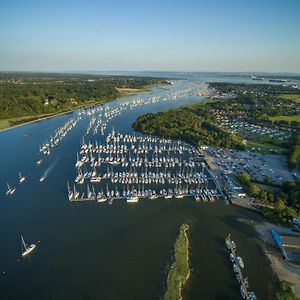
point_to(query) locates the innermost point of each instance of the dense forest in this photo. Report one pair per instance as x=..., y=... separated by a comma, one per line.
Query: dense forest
x=286, y=199
x=188, y=125
x=27, y=94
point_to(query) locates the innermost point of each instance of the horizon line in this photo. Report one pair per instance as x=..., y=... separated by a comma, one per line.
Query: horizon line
x=149, y=71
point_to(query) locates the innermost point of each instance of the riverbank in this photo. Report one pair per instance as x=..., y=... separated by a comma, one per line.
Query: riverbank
x=284, y=270
x=7, y=124
x=180, y=270
x=10, y=123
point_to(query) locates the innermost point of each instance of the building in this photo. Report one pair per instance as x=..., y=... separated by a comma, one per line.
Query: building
x=289, y=245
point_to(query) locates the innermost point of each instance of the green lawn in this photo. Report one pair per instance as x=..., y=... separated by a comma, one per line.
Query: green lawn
x=265, y=144
x=291, y=118
x=292, y=97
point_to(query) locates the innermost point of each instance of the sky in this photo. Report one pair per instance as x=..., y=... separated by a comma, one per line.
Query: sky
x=177, y=35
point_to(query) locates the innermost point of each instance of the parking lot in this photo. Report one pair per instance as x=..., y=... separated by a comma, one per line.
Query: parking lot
x=259, y=166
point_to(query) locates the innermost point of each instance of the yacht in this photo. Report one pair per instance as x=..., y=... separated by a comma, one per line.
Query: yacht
x=70, y=193
x=153, y=195
x=21, y=178
x=39, y=162
x=235, y=268
x=101, y=197
x=26, y=249
x=10, y=190
x=240, y=261
x=132, y=199
x=75, y=193
x=243, y=292
x=228, y=241
x=251, y=296
x=232, y=257
x=42, y=178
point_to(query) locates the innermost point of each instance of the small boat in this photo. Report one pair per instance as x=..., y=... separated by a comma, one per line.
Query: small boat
x=235, y=268
x=228, y=241
x=10, y=190
x=132, y=199
x=246, y=282
x=21, y=178
x=70, y=193
x=243, y=292
x=42, y=178
x=240, y=262
x=101, y=197
x=39, y=162
x=233, y=245
x=251, y=296
x=25, y=248
x=153, y=195
x=232, y=257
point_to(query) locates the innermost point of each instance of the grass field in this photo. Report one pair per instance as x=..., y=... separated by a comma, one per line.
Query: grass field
x=292, y=97
x=265, y=144
x=289, y=119
x=210, y=100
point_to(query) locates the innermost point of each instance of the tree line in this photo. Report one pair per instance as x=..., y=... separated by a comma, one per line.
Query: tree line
x=34, y=94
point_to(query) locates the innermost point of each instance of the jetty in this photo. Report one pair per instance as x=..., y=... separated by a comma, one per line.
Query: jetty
x=238, y=265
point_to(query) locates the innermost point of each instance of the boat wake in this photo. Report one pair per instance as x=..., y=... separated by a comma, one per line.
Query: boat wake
x=48, y=170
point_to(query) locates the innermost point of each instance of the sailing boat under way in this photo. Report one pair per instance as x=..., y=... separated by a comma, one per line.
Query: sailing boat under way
x=22, y=178
x=27, y=249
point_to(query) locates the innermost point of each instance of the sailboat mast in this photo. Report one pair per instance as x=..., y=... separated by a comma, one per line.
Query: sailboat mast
x=23, y=243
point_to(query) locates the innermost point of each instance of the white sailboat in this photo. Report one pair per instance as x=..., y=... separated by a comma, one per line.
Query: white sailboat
x=39, y=162
x=22, y=178
x=10, y=190
x=26, y=249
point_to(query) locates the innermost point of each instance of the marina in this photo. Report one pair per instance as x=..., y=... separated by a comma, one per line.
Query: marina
x=133, y=186
x=135, y=166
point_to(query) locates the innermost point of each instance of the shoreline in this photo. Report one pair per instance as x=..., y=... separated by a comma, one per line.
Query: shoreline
x=285, y=271
x=33, y=119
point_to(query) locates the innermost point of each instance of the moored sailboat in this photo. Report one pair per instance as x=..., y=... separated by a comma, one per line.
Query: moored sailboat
x=10, y=190
x=26, y=249
x=21, y=178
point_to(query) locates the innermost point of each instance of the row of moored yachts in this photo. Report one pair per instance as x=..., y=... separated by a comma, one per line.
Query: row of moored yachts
x=60, y=133
x=238, y=265
x=133, y=195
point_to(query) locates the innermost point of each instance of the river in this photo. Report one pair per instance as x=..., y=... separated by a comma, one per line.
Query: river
x=119, y=251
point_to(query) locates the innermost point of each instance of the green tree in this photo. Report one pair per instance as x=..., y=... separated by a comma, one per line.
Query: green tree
x=245, y=179
x=280, y=205
x=254, y=190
